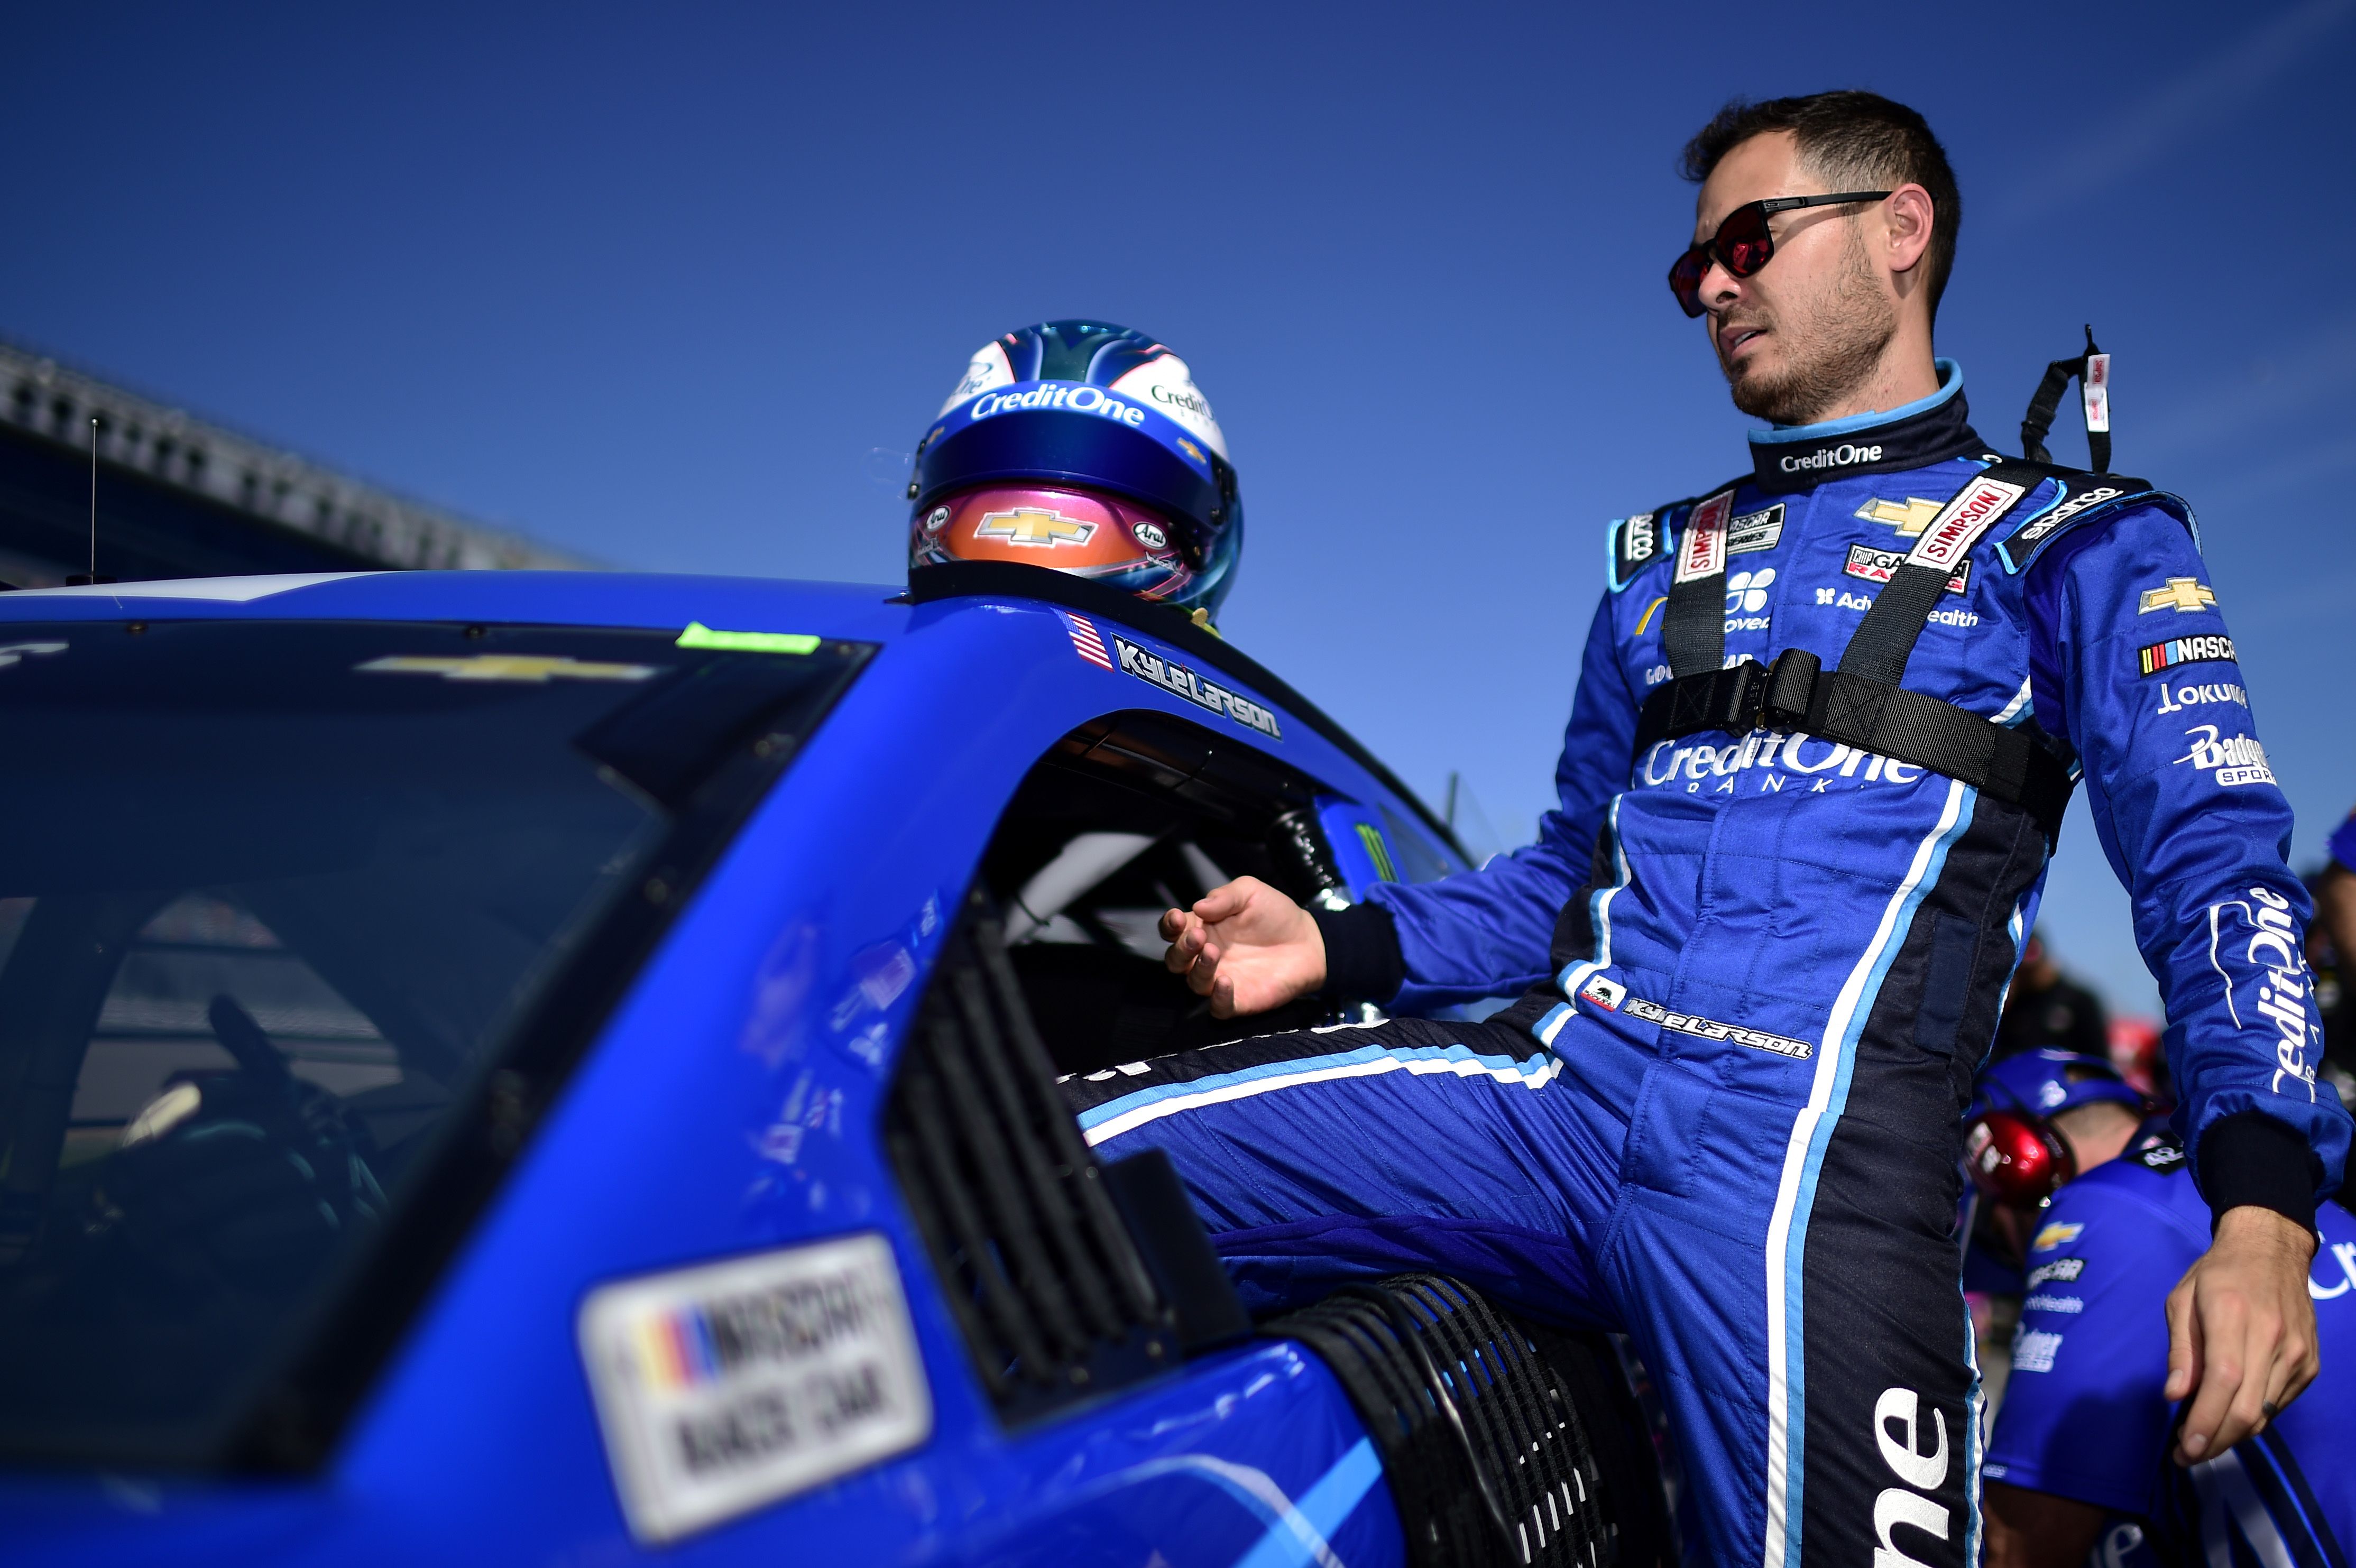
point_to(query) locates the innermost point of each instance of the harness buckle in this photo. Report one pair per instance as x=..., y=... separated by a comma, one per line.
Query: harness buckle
x=1789, y=689
x=1733, y=697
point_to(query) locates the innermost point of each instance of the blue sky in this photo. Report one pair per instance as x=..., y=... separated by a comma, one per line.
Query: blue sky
x=655, y=284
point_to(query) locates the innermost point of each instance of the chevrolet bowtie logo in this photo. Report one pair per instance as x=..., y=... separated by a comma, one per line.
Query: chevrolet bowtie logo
x=1034, y=526
x=1909, y=516
x=2181, y=594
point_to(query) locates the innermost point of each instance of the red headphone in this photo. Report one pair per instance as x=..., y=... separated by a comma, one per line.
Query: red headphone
x=2017, y=1158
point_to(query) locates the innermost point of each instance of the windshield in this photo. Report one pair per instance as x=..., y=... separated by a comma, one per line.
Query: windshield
x=272, y=895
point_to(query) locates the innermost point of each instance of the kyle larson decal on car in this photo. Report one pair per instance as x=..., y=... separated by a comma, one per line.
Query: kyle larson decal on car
x=1173, y=677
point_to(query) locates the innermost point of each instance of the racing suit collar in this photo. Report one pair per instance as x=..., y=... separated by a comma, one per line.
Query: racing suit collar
x=1788, y=458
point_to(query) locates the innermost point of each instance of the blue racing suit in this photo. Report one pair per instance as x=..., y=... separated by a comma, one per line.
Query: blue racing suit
x=1761, y=968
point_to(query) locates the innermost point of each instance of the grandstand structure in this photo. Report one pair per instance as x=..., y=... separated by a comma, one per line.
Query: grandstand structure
x=182, y=497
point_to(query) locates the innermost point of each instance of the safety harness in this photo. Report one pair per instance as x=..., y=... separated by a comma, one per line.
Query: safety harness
x=1861, y=703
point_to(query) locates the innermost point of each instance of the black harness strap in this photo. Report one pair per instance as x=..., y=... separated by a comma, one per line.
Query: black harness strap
x=1885, y=640
x=1861, y=703
x=1693, y=626
x=2093, y=370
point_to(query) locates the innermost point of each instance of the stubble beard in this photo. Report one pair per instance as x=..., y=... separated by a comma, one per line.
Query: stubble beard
x=1832, y=344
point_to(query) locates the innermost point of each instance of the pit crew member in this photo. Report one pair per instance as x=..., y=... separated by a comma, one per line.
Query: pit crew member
x=2105, y=1219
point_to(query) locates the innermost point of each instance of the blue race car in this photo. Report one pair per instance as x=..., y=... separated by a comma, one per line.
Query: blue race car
x=561, y=1068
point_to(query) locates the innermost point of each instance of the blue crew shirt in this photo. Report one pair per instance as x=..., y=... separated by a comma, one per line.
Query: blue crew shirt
x=2085, y=1416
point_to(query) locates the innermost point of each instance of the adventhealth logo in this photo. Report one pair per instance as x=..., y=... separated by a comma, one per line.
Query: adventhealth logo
x=1841, y=456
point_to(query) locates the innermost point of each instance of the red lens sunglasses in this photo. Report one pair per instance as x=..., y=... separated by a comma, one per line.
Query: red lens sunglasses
x=1744, y=243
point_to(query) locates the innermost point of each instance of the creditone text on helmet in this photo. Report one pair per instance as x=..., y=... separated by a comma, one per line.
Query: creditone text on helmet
x=1079, y=400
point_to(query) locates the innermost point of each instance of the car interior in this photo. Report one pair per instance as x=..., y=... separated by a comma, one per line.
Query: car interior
x=1127, y=816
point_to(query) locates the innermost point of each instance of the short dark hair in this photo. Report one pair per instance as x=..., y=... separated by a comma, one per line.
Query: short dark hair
x=1860, y=140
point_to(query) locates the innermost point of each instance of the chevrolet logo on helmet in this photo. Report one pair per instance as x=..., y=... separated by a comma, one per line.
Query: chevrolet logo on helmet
x=1036, y=526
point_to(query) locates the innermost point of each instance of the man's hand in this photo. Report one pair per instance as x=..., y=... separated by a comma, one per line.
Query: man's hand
x=1246, y=946
x=2241, y=1331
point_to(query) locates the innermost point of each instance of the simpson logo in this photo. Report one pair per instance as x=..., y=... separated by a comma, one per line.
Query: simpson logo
x=1702, y=552
x=2182, y=650
x=1953, y=532
x=1755, y=530
x=1876, y=566
x=724, y=1388
x=2234, y=759
x=2064, y=1271
x=1177, y=679
x=1615, y=998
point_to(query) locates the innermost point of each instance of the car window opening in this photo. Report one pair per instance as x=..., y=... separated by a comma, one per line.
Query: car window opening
x=1128, y=817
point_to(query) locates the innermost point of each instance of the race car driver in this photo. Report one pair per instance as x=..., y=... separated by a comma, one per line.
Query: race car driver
x=2077, y=1463
x=1815, y=765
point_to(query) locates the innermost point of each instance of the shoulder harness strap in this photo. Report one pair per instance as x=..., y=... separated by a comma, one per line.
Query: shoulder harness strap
x=1861, y=703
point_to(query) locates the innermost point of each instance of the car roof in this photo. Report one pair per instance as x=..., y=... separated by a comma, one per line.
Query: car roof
x=873, y=613
x=852, y=611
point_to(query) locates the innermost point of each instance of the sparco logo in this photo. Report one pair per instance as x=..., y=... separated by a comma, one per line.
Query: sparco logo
x=1897, y=1430
x=2065, y=511
x=1841, y=456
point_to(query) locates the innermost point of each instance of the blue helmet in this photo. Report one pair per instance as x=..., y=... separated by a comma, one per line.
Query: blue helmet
x=2046, y=1083
x=1087, y=447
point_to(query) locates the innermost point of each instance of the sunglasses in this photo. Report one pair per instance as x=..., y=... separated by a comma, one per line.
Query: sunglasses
x=1744, y=243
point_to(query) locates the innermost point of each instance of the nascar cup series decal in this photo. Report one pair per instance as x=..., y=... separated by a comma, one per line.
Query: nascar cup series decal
x=1173, y=679
x=1614, y=998
x=722, y=1388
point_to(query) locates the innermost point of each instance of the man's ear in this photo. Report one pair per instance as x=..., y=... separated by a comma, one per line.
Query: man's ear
x=1908, y=212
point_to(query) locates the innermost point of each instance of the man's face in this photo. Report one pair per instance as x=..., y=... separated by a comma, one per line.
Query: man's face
x=1806, y=329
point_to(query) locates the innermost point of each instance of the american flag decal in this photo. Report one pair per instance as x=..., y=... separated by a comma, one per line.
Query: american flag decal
x=1084, y=639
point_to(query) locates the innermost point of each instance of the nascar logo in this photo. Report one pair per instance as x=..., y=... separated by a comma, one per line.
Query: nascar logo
x=2182, y=650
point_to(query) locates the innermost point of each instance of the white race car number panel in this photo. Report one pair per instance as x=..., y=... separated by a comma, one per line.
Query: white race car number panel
x=728, y=1386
